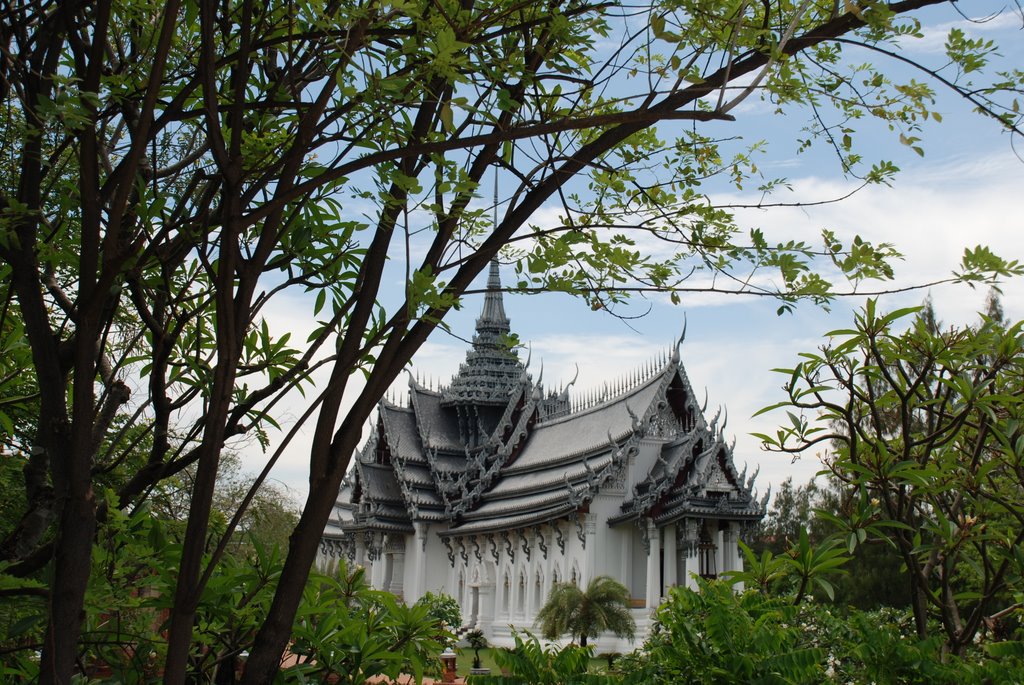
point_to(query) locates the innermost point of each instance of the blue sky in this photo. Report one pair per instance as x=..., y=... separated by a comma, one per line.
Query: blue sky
x=965, y=191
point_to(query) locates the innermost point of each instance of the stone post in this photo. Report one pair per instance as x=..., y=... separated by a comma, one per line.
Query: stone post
x=653, y=565
x=671, y=557
x=396, y=552
x=589, y=568
x=418, y=577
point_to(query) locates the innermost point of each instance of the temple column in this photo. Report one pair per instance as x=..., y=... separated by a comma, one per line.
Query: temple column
x=734, y=546
x=360, y=557
x=417, y=582
x=719, y=538
x=734, y=550
x=396, y=565
x=653, y=565
x=589, y=570
x=692, y=566
x=728, y=549
x=486, y=608
x=671, y=557
x=378, y=565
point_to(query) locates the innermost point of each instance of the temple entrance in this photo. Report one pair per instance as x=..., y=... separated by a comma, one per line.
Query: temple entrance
x=480, y=598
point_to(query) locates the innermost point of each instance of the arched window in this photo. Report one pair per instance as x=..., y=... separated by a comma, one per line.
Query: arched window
x=521, y=594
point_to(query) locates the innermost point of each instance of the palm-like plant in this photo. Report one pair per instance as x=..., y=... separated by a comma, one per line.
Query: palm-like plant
x=582, y=614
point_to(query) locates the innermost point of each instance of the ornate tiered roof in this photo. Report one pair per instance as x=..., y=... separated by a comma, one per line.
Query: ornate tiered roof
x=491, y=370
x=493, y=451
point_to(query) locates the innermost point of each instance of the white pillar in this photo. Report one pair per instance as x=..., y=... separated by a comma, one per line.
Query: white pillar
x=626, y=559
x=653, y=565
x=486, y=608
x=375, y=572
x=734, y=550
x=692, y=566
x=588, y=569
x=379, y=564
x=398, y=575
x=728, y=549
x=720, y=552
x=418, y=559
x=671, y=557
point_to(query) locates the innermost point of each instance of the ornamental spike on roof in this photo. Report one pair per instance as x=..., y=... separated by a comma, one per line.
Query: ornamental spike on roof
x=491, y=371
x=494, y=308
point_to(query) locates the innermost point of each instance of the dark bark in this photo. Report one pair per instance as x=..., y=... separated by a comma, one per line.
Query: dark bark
x=67, y=448
x=272, y=638
x=232, y=318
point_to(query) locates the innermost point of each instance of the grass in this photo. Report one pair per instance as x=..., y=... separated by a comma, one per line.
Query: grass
x=465, y=661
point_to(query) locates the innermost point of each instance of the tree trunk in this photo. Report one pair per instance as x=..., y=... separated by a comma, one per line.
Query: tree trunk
x=71, y=575
x=271, y=640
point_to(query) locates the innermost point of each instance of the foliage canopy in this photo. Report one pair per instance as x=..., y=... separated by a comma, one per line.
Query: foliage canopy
x=925, y=429
x=586, y=613
x=173, y=169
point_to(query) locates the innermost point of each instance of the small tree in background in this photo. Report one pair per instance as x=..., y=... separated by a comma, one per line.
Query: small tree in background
x=444, y=608
x=173, y=171
x=477, y=641
x=925, y=427
x=603, y=606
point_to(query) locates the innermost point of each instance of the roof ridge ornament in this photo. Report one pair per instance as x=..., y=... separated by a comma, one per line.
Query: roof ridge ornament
x=750, y=483
x=679, y=343
x=564, y=394
x=611, y=441
x=634, y=419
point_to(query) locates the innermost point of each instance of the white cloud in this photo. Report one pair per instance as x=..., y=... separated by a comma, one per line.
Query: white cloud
x=934, y=211
x=933, y=36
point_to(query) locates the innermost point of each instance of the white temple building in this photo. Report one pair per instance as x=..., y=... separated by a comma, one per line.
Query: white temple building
x=493, y=489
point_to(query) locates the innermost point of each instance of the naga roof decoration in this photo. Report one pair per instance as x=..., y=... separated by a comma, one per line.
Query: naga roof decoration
x=493, y=451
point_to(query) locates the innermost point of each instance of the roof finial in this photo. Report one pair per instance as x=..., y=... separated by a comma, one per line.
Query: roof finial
x=675, y=348
x=493, y=319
